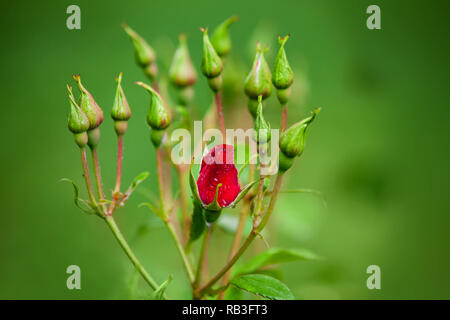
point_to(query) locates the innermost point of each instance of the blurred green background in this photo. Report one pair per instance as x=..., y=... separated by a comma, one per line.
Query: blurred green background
x=378, y=151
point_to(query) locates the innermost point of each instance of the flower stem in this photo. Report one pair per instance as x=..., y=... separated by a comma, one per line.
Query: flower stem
x=283, y=118
x=200, y=264
x=118, y=174
x=218, y=98
x=87, y=179
x=255, y=231
x=168, y=222
x=98, y=177
x=123, y=243
x=182, y=181
x=236, y=241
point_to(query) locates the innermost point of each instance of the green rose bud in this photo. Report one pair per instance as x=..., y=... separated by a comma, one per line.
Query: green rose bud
x=283, y=95
x=78, y=122
x=158, y=115
x=282, y=73
x=211, y=65
x=144, y=54
x=258, y=82
x=292, y=141
x=157, y=137
x=221, y=39
x=182, y=73
x=120, y=112
x=261, y=127
x=88, y=105
x=252, y=106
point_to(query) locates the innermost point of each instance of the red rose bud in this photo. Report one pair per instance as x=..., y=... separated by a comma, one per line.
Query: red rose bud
x=221, y=39
x=258, y=82
x=218, y=168
x=144, y=54
x=217, y=185
x=182, y=73
x=283, y=76
x=78, y=122
x=158, y=115
x=120, y=112
x=292, y=141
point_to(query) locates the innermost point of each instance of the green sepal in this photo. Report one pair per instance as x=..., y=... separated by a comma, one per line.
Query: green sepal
x=259, y=80
x=292, y=141
x=182, y=73
x=221, y=39
x=211, y=65
x=283, y=76
x=144, y=53
x=214, y=205
x=198, y=224
x=121, y=110
x=242, y=194
x=261, y=127
x=193, y=184
x=76, y=199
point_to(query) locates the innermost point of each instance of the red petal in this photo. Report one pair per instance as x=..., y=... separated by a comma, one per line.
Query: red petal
x=218, y=167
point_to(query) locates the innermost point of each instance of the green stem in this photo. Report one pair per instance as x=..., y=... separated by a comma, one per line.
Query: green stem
x=87, y=179
x=123, y=243
x=98, y=177
x=172, y=232
x=255, y=231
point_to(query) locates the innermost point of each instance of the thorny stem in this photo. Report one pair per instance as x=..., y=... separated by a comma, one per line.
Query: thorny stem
x=168, y=222
x=283, y=118
x=255, y=231
x=218, y=98
x=126, y=248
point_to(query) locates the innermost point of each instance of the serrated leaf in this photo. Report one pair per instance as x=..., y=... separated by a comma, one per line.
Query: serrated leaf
x=275, y=256
x=158, y=294
x=264, y=286
x=198, y=224
x=76, y=199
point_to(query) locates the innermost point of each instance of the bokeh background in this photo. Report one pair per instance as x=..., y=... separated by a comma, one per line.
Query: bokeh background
x=379, y=151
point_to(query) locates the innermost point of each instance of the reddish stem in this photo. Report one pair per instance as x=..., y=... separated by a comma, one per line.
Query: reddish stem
x=98, y=175
x=86, y=176
x=118, y=175
x=218, y=98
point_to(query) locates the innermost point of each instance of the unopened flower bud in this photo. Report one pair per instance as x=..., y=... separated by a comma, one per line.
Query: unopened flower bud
x=157, y=137
x=144, y=54
x=78, y=122
x=252, y=106
x=292, y=141
x=185, y=95
x=211, y=65
x=258, y=82
x=283, y=76
x=158, y=115
x=182, y=73
x=215, y=83
x=121, y=110
x=88, y=105
x=221, y=39
x=261, y=127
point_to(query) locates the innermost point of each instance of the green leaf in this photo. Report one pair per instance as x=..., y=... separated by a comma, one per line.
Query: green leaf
x=76, y=199
x=137, y=181
x=233, y=293
x=198, y=222
x=158, y=294
x=275, y=256
x=263, y=286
